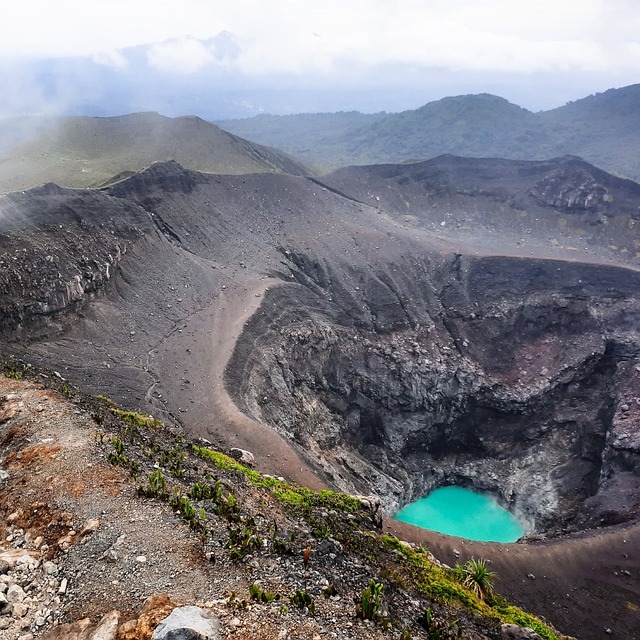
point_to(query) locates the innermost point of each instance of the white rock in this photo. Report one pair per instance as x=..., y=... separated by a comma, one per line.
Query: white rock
x=63, y=586
x=15, y=593
x=188, y=623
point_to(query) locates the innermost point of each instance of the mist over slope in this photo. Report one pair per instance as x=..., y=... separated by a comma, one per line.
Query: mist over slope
x=86, y=152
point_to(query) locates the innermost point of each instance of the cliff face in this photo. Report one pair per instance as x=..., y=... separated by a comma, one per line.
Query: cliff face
x=58, y=249
x=515, y=376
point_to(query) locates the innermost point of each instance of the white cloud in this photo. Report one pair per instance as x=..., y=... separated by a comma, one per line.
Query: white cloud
x=308, y=37
x=182, y=55
x=113, y=59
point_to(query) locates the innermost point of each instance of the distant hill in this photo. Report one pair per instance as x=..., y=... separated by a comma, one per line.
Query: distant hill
x=603, y=129
x=300, y=133
x=87, y=152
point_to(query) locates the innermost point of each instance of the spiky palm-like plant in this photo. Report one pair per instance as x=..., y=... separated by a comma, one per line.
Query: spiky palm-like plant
x=477, y=577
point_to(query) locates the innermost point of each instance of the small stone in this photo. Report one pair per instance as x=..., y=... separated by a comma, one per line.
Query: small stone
x=19, y=610
x=89, y=527
x=15, y=594
x=63, y=587
x=37, y=543
x=141, y=559
x=111, y=556
x=235, y=622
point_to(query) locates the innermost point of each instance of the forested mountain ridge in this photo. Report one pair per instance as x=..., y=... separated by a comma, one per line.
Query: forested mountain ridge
x=602, y=128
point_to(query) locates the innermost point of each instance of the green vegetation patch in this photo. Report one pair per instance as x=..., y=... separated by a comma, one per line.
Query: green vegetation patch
x=136, y=419
x=285, y=492
x=443, y=585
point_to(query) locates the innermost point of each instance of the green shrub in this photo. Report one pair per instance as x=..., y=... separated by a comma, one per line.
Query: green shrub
x=477, y=577
x=370, y=601
x=303, y=600
x=259, y=594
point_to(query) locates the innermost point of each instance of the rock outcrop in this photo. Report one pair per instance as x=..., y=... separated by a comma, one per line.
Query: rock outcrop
x=513, y=376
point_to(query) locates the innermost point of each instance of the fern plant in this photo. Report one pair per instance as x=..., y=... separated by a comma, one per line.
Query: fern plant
x=477, y=577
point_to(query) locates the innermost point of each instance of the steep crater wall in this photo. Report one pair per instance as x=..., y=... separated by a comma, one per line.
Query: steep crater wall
x=520, y=377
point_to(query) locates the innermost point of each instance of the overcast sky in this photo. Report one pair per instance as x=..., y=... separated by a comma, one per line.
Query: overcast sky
x=574, y=46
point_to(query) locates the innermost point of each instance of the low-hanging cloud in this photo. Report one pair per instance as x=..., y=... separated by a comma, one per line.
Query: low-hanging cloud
x=181, y=56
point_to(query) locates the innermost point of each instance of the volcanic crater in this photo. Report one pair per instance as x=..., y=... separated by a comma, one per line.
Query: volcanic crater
x=515, y=376
x=458, y=321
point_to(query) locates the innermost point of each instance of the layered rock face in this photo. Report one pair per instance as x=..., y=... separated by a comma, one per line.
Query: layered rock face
x=57, y=250
x=520, y=377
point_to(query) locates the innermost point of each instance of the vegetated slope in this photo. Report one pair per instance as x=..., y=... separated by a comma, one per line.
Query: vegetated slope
x=478, y=319
x=133, y=512
x=602, y=129
x=475, y=126
x=84, y=151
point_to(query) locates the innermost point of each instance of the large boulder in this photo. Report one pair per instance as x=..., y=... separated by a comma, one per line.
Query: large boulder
x=244, y=457
x=188, y=623
x=514, y=632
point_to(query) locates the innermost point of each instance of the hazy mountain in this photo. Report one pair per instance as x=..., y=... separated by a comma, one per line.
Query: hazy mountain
x=84, y=151
x=603, y=128
x=206, y=77
x=300, y=133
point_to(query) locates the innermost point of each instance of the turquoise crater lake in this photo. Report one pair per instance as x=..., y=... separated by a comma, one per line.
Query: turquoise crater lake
x=463, y=513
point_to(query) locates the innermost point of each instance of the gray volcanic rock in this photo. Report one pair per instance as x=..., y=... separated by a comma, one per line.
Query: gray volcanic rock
x=437, y=334
x=188, y=623
x=58, y=249
x=485, y=372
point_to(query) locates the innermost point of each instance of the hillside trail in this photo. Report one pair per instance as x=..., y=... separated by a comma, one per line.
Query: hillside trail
x=212, y=414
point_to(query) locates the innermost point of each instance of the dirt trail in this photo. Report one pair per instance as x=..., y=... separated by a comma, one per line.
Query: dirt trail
x=211, y=412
